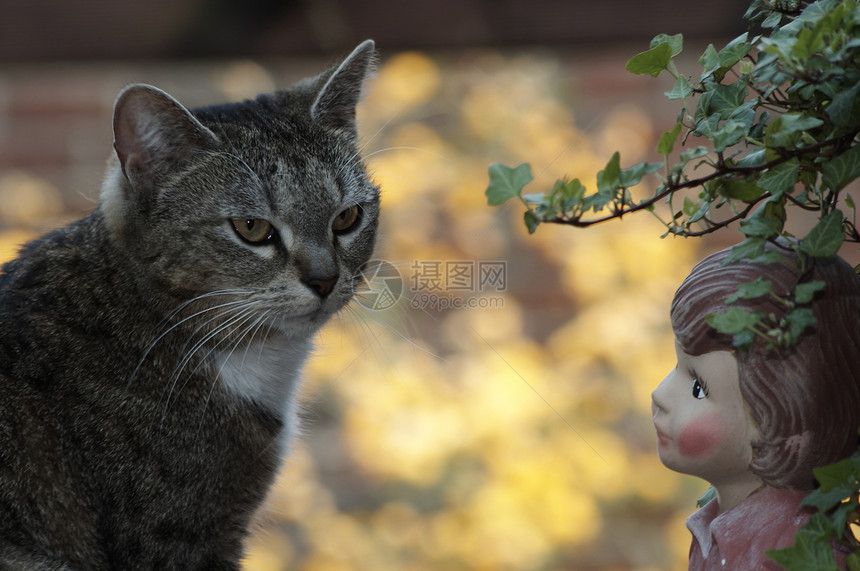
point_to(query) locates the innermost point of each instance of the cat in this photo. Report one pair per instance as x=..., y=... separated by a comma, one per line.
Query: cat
x=150, y=352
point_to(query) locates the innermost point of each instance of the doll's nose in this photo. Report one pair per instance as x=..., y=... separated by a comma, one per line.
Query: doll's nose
x=658, y=402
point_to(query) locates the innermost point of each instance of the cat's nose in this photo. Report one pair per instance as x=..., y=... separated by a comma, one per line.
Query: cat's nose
x=322, y=286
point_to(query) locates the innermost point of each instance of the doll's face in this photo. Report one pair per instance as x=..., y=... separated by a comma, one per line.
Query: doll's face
x=702, y=424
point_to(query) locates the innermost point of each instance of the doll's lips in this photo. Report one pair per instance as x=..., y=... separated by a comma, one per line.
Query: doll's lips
x=661, y=436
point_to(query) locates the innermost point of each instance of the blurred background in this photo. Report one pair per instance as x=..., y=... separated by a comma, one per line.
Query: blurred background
x=497, y=416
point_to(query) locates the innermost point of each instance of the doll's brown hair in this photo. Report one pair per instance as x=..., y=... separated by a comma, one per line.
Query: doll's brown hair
x=805, y=400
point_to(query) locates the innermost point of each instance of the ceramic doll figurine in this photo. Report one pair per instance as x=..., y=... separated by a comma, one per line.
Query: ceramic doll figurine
x=755, y=423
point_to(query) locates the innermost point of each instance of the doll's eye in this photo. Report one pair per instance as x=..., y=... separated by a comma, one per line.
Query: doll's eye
x=699, y=391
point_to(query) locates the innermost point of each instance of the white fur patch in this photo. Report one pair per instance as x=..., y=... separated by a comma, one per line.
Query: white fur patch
x=266, y=372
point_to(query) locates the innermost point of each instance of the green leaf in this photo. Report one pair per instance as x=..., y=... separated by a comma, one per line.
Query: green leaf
x=507, y=182
x=633, y=175
x=722, y=135
x=531, y=220
x=734, y=52
x=844, y=108
x=738, y=189
x=825, y=238
x=709, y=495
x=610, y=177
x=566, y=195
x=734, y=320
x=667, y=140
x=803, y=293
x=798, y=320
x=768, y=219
x=853, y=561
x=807, y=554
x=710, y=60
x=681, y=90
x=651, y=62
x=785, y=130
x=840, y=171
x=781, y=177
x=695, y=153
x=750, y=290
x=700, y=212
x=675, y=42
x=725, y=99
x=835, y=475
x=772, y=21
x=750, y=248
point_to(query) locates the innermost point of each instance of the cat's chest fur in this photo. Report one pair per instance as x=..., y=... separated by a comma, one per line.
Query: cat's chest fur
x=266, y=372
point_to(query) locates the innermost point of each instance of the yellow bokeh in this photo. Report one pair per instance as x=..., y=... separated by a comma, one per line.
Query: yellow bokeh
x=407, y=79
x=28, y=201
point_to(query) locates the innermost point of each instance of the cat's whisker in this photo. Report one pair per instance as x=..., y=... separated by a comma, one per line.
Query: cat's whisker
x=385, y=125
x=184, y=320
x=250, y=331
x=406, y=148
x=390, y=325
x=244, y=313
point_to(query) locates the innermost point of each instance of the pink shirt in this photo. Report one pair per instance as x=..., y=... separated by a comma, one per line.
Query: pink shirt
x=738, y=538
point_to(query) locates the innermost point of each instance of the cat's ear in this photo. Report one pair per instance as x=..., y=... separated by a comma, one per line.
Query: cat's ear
x=336, y=101
x=154, y=133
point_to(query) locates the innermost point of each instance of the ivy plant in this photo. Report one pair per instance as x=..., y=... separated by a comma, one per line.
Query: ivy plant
x=769, y=127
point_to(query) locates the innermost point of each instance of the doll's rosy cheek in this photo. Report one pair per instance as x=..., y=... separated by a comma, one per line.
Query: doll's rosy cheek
x=702, y=435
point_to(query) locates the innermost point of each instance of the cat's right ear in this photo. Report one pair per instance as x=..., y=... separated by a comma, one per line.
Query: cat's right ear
x=154, y=134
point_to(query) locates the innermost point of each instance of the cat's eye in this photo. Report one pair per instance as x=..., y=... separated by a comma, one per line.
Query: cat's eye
x=346, y=219
x=253, y=230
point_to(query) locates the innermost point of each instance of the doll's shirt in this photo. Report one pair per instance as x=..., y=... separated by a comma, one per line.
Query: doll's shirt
x=738, y=538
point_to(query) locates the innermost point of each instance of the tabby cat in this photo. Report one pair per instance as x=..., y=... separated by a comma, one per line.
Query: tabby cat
x=150, y=352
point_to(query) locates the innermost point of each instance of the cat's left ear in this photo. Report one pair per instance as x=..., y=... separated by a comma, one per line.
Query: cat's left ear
x=154, y=134
x=336, y=102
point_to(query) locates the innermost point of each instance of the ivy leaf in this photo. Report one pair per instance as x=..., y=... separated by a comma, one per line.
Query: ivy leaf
x=734, y=320
x=710, y=60
x=750, y=248
x=566, y=195
x=843, y=109
x=841, y=170
x=610, y=177
x=738, y=189
x=633, y=175
x=507, y=182
x=839, y=475
x=726, y=99
x=694, y=153
x=531, y=220
x=798, y=320
x=825, y=238
x=750, y=290
x=651, y=62
x=667, y=140
x=681, y=90
x=781, y=177
x=807, y=554
x=803, y=293
x=772, y=21
x=675, y=42
x=734, y=52
x=768, y=220
x=785, y=130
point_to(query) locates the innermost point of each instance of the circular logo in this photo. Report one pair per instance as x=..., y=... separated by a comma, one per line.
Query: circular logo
x=383, y=285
